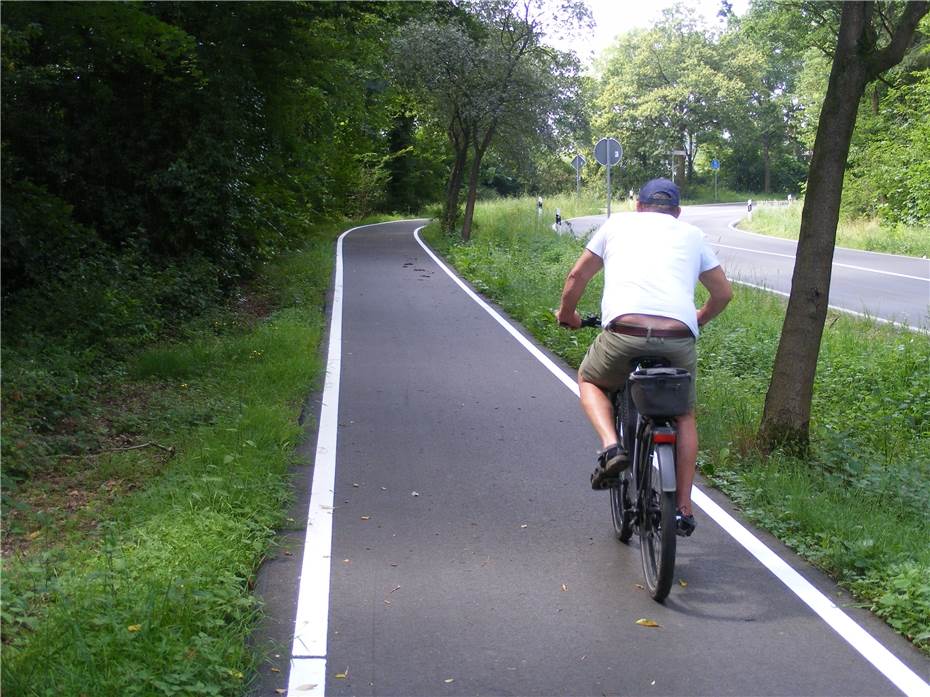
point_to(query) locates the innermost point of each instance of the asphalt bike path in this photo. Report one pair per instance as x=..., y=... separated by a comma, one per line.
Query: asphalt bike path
x=884, y=286
x=470, y=556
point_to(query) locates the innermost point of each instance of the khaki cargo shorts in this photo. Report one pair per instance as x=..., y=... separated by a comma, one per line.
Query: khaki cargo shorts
x=607, y=363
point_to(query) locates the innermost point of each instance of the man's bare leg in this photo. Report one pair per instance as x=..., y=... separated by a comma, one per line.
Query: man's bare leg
x=599, y=410
x=686, y=451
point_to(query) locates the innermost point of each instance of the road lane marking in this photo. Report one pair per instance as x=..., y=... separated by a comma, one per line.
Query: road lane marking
x=836, y=263
x=837, y=308
x=867, y=646
x=311, y=623
x=539, y=355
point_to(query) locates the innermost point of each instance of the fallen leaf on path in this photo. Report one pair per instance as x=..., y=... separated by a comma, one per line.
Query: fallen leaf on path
x=281, y=691
x=344, y=675
x=275, y=670
x=683, y=583
x=366, y=517
x=564, y=587
x=641, y=586
x=647, y=623
x=448, y=681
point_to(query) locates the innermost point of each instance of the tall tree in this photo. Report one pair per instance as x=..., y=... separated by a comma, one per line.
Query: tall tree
x=485, y=72
x=872, y=37
x=666, y=89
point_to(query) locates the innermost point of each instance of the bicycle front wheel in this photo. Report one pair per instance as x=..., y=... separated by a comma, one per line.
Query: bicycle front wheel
x=657, y=534
x=621, y=506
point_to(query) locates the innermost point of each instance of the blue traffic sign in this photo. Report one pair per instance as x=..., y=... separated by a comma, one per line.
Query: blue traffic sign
x=715, y=163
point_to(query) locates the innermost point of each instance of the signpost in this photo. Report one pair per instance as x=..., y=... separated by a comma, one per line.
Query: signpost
x=715, y=165
x=677, y=153
x=578, y=163
x=608, y=152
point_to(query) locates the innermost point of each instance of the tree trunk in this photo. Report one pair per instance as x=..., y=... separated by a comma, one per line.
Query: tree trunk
x=786, y=416
x=472, y=196
x=450, y=211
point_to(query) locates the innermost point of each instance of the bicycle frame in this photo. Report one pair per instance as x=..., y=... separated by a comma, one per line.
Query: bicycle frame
x=644, y=499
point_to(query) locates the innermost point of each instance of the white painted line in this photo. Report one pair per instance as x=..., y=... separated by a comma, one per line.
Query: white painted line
x=863, y=315
x=307, y=674
x=890, y=666
x=539, y=355
x=733, y=227
x=311, y=624
x=307, y=677
x=886, y=662
x=835, y=263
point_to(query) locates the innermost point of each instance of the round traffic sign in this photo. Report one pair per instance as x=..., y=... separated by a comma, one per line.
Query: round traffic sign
x=608, y=151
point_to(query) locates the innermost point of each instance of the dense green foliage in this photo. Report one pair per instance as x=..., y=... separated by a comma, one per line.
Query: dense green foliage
x=154, y=154
x=748, y=92
x=857, y=507
x=148, y=592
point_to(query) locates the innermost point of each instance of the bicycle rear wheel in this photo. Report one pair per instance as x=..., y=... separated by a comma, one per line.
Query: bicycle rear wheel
x=657, y=534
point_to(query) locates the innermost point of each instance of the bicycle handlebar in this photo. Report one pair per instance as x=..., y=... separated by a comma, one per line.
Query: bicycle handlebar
x=588, y=321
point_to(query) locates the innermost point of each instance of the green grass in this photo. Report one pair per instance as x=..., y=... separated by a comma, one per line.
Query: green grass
x=857, y=507
x=145, y=588
x=858, y=233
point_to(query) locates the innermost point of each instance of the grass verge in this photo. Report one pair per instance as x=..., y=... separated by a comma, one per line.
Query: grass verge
x=859, y=233
x=858, y=507
x=127, y=569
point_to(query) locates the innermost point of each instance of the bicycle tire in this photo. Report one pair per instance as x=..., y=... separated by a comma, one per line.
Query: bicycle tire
x=621, y=501
x=657, y=529
x=621, y=507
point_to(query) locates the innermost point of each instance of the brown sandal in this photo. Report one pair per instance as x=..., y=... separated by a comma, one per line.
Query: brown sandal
x=610, y=463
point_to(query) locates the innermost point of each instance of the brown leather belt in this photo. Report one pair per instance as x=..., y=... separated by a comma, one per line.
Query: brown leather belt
x=635, y=330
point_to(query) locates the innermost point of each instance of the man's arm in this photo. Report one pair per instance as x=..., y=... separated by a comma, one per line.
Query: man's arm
x=715, y=280
x=583, y=271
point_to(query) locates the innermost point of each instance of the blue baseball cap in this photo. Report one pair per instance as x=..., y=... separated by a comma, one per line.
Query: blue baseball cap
x=660, y=192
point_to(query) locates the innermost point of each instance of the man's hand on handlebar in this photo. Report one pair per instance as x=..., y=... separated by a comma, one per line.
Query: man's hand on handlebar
x=568, y=320
x=575, y=321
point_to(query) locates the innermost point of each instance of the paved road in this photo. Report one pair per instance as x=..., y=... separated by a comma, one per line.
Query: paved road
x=469, y=555
x=886, y=286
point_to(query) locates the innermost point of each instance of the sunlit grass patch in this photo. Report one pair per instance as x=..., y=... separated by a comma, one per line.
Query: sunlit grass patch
x=859, y=233
x=145, y=587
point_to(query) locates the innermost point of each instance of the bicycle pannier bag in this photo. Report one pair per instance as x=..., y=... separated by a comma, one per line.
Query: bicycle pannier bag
x=660, y=391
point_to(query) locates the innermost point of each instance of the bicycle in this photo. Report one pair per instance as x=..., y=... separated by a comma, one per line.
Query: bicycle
x=643, y=500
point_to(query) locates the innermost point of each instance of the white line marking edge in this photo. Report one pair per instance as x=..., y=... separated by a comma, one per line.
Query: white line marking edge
x=308, y=663
x=875, y=653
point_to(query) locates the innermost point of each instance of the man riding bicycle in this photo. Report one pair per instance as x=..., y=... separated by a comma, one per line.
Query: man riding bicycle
x=652, y=262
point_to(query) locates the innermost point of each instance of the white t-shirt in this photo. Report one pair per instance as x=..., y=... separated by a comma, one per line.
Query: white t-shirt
x=651, y=266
